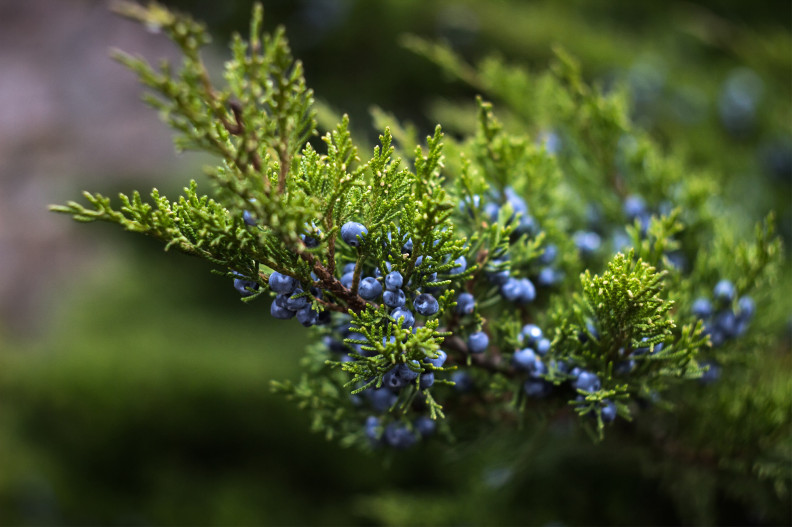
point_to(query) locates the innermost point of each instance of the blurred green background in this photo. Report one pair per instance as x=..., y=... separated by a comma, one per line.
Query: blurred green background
x=134, y=385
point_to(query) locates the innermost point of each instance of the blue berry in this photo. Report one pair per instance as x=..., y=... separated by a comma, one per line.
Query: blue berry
x=407, y=373
x=608, y=411
x=295, y=302
x=426, y=305
x=724, y=291
x=378, y=272
x=466, y=304
x=439, y=360
x=425, y=425
x=309, y=241
x=394, y=298
x=461, y=266
x=543, y=346
x=549, y=254
x=369, y=288
x=462, y=380
x=372, y=429
x=478, y=342
x=380, y=399
x=393, y=281
x=634, y=207
x=702, y=308
x=531, y=333
x=470, y=204
x=624, y=367
x=747, y=307
x=278, y=309
x=491, y=211
x=527, y=291
x=524, y=359
x=350, y=232
x=427, y=380
x=307, y=316
x=511, y=289
x=407, y=248
x=348, y=268
x=587, y=381
x=405, y=314
x=347, y=279
x=397, y=435
x=248, y=218
x=245, y=287
x=536, y=388
x=281, y=283
x=393, y=380
x=712, y=374
x=548, y=277
x=587, y=242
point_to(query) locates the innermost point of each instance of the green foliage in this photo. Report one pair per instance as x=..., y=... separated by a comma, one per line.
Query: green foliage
x=496, y=195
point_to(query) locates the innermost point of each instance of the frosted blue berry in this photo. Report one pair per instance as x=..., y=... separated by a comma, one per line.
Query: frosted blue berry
x=461, y=266
x=407, y=248
x=724, y=291
x=393, y=281
x=536, y=388
x=380, y=399
x=747, y=307
x=634, y=207
x=527, y=291
x=295, y=302
x=307, y=316
x=587, y=242
x=511, y=289
x=398, y=436
x=393, y=380
x=245, y=287
x=425, y=425
x=466, y=304
x=702, y=308
x=348, y=268
x=524, y=359
x=491, y=211
x=394, y=298
x=587, y=381
x=462, y=380
x=309, y=241
x=549, y=254
x=439, y=360
x=378, y=272
x=531, y=333
x=248, y=218
x=347, y=279
x=278, y=309
x=427, y=380
x=405, y=372
x=712, y=374
x=372, y=429
x=548, y=277
x=405, y=314
x=369, y=288
x=608, y=411
x=478, y=342
x=426, y=305
x=350, y=232
x=543, y=346
x=281, y=283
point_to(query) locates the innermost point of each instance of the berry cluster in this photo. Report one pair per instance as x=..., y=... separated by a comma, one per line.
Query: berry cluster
x=723, y=321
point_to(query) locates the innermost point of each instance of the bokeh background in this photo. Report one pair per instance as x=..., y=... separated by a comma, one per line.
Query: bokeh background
x=134, y=385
